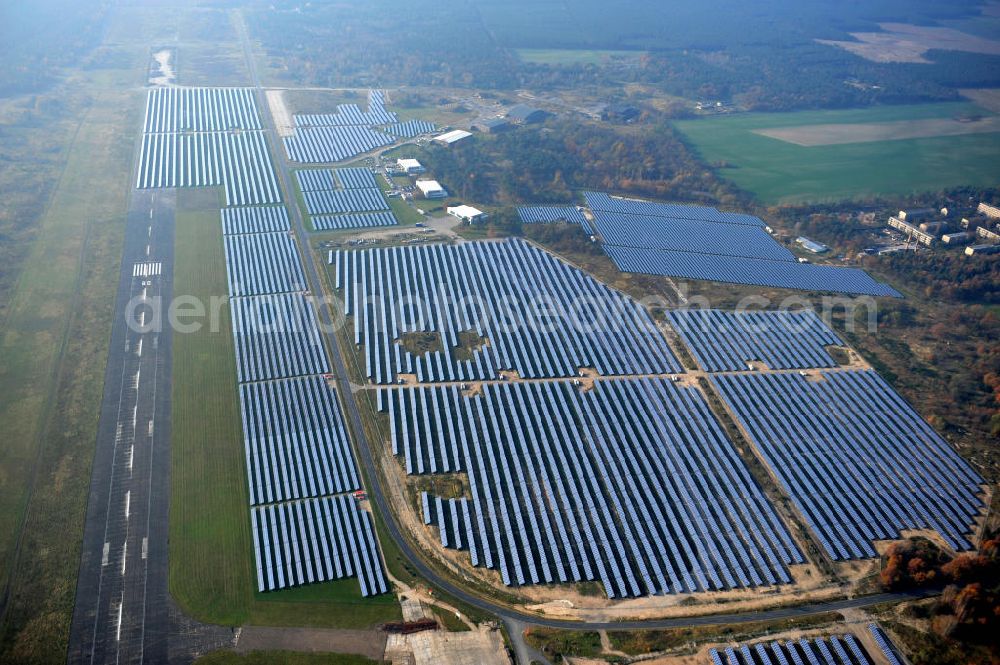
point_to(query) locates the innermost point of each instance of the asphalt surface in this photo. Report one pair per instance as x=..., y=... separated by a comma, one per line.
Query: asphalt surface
x=514, y=619
x=123, y=612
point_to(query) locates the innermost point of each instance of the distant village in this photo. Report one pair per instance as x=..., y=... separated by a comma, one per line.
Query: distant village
x=978, y=232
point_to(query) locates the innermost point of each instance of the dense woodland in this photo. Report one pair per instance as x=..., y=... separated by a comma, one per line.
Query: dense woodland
x=760, y=57
x=547, y=164
x=966, y=610
x=40, y=39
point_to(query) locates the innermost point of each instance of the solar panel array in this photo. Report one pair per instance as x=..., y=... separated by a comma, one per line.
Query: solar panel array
x=534, y=314
x=602, y=202
x=632, y=483
x=832, y=650
x=754, y=272
x=687, y=235
x=351, y=194
x=170, y=110
x=206, y=137
x=353, y=221
x=728, y=341
x=265, y=219
x=351, y=114
x=410, y=128
x=885, y=645
x=345, y=200
x=857, y=461
x=295, y=441
x=276, y=337
x=333, y=144
x=549, y=214
x=260, y=263
x=696, y=242
x=314, y=541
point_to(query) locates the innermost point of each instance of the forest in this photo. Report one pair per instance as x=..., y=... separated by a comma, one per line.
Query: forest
x=756, y=55
x=548, y=163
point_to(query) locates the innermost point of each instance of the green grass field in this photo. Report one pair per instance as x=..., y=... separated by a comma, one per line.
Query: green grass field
x=571, y=56
x=784, y=173
x=211, y=556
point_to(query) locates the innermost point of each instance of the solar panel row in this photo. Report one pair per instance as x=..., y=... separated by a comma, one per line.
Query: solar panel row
x=295, y=440
x=549, y=214
x=757, y=272
x=885, y=645
x=513, y=306
x=857, y=461
x=600, y=201
x=353, y=221
x=345, y=200
x=265, y=219
x=333, y=144
x=832, y=650
x=632, y=483
x=314, y=541
x=262, y=263
x=728, y=341
x=276, y=337
x=687, y=235
x=410, y=128
x=200, y=110
x=240, y=162
x=351, y=114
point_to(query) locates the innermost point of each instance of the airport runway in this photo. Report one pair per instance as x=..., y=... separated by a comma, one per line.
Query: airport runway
x=123, y=613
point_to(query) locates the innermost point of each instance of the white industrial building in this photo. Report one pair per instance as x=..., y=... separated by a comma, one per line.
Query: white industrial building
x=431, y=189
x=410, y=166
x=467, y=214
x=453, y=136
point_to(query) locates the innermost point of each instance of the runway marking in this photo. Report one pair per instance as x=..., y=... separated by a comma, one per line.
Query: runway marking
x=107, y=551
x=145, y=547
x=128, y=502
x=138, y=348
x=118, y=632
x=142, y=314
x=149, y=429
x=147, y=250
x=151, y=213
x=131, y=456
x=124, y=556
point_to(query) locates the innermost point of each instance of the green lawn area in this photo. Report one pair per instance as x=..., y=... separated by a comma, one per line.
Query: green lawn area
x=558, y=56
x=212, y=571
x=784, y=173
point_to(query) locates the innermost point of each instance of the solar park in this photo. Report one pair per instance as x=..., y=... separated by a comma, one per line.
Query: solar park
x=586, y=458
x=833, y=650
x=696, y=242
x=345, y=198
x=629, y=479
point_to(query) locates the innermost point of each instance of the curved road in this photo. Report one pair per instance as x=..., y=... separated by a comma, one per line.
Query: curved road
x=362, y=449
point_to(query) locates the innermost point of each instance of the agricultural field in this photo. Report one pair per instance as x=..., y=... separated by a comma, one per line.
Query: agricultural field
x=831, y=167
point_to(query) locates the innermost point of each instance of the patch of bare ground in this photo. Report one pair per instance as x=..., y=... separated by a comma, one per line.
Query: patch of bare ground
x=988, y=98
x=871, y=132
x=902, y=42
